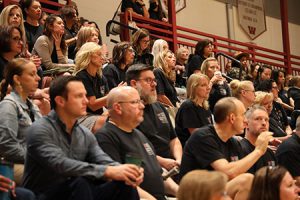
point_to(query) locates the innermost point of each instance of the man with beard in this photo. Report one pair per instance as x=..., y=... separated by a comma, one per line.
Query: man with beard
x=156, y=126
x=257, y=122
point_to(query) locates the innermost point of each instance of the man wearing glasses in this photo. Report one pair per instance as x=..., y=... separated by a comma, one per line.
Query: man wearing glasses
x=157, y=126
x=120, y=139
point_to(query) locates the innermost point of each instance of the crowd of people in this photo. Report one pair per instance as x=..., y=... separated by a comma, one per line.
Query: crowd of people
x=79, y=124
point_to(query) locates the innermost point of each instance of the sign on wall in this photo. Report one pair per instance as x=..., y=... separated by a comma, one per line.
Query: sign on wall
x=252, y=19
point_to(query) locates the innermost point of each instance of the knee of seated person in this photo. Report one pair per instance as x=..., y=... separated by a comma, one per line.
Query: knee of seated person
x=244, y=180
x=24, y=194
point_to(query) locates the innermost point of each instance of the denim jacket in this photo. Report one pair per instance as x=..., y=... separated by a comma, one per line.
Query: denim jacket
x=15, y=119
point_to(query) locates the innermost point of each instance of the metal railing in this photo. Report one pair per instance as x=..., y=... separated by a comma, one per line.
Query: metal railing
x=188, y=38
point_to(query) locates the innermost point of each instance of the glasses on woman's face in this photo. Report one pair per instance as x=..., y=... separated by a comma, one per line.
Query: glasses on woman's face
x=17, y=39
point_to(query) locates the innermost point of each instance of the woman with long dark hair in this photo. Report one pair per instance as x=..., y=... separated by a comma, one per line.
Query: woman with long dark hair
x=32, y=12
x=11, y=45
x=203, y=50
x=51, y=46
x=273, y=183
x=123, y=57
x=141, y=45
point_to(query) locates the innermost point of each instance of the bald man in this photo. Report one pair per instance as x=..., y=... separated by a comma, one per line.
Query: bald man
x=214, y=148
x=120, y=139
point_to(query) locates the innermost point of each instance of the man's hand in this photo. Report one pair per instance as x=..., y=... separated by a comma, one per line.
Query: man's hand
x=6, y=184
x=262, y=141
x=168, y=163
x=131, y=174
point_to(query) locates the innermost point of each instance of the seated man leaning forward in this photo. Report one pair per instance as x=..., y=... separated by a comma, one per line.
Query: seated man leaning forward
x=213, y=147
x=63, y=159
x=120, y=139
x=157, y=126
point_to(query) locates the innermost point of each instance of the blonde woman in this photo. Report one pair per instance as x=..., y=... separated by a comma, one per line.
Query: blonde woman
x=88, y=68
x=244, y=91
x=165, y=76
x=219, y=87
x=194, y=112
x=182, y=56
x=87, y=34
x=203, y=185
x=12, y=15
x=159, y=46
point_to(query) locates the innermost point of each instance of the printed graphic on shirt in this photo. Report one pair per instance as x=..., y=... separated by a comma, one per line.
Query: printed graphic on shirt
x=162, y=117
x=148, y=149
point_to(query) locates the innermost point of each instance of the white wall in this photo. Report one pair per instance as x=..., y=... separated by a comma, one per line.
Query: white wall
x=203, y=15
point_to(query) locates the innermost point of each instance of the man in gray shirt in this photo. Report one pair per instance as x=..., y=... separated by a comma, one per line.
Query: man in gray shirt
x=63, y=159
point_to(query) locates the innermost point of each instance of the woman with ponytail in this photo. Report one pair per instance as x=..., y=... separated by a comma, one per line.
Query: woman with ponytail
x=17, y=111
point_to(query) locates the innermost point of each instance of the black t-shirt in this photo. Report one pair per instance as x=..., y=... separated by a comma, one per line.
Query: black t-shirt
x=32, y=34
x=194, y=64
x=190, y=115
x=288, y=155
x=204, y=147
x=136, y=7
x=294, y=93
x=268, y=159
x=164, y=86
x=276, y=125
x=114, y=75
x=157, y=127
x=94, y=86
x=145, y=58
x=3, y=63
x=70, y=33
x=217, y=92
x=279, y=114
x=118, y=144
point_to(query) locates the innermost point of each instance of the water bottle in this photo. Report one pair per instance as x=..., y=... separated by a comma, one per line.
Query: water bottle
x=220, y=83
x=7, y=170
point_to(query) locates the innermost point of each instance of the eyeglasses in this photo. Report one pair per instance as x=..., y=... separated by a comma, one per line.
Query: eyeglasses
x=137, y=101
x=17, y=39
x=145, y=41
x=149, y=80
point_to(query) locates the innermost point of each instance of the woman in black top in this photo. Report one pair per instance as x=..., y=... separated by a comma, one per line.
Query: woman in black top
x=115, y=72
x=165, y=76
x=219, y=87
x=11, y=45
x=89, y=61
x=32, y=12
x=194, y=112
x=203, y=50
x=141, y=45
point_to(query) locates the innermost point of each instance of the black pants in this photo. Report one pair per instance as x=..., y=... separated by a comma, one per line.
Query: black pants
x=84, y=189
